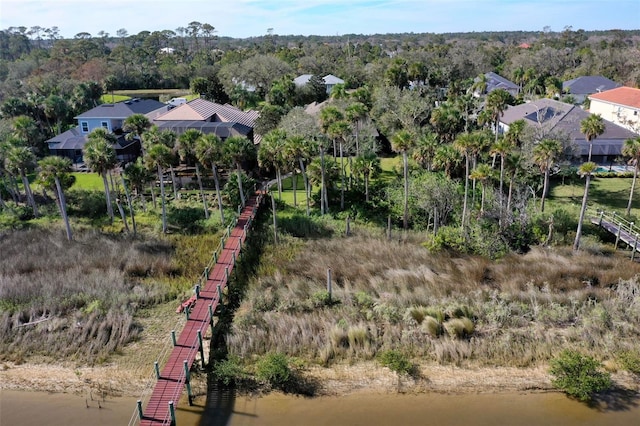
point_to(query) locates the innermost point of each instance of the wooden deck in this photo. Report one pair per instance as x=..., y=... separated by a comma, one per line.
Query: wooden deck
x=174, y=375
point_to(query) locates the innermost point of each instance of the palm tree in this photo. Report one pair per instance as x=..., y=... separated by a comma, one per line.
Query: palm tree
x=20, y=159
x=339, y=130
x=329, y=115
x=210, y=153
x=425, y=150
x=355, y=113
x=138, y=177
x=502, y=148
x=480, y=85
x=446, y=158
x=545, y=155
x=465, y=144
x=187, y=150
x=161, y=157
x=301, y=150
x=497, y=102
x=446, y=121
x=166, y=137
x=239, y=149
x=55, y=174
x=367, y=165
x=136, y=125
x=514, y=164
x=592, y=127
x=631, y=149
x=403, y=142
x=585, y=170
x=481, y=173
x=100, y=157
x=271, y=154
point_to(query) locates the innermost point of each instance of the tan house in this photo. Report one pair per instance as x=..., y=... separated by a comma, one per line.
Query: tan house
x=209, y=117
x=620, y=106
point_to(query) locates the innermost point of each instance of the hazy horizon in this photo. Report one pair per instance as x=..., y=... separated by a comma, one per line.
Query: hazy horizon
x=254, y=18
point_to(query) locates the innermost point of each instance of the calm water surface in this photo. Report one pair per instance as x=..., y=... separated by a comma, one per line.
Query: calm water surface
x=36, y=409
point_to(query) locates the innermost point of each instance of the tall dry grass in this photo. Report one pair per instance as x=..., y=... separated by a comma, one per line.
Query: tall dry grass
x=518, y=311
x=77, y=300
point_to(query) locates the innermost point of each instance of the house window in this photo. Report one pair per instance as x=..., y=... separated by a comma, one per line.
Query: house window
x=85, y=126
x=105, y=125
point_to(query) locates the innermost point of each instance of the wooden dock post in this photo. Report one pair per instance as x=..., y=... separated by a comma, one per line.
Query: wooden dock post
x=173, y=337
x=187, y=381
x=615, y=246
x=201, y=347
x=329, y=285
x=157, y=368
x=197, y=291
x=219, y=289
x=600, y=219
x=635, y=248
x=172, y=413
x=211, y=316
x=140, y=415
x=226, y=273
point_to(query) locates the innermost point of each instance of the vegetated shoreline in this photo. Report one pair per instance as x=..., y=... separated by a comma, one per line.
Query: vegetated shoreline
x=337, y=380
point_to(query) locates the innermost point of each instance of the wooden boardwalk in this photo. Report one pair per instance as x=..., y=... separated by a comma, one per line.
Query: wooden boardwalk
x=175, y=373
x=623, y=230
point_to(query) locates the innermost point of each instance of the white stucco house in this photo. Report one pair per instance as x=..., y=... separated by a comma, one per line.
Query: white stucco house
x=620, y=106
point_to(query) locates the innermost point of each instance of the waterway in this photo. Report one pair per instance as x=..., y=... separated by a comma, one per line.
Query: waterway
x=359, y=409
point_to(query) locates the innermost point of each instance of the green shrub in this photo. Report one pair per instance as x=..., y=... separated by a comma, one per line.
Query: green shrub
x=363, y=300
x=396, y=361
x=579, y=375
x=228, y=371
x=274, y=369
x=630, y=361
x=448, y=238
x=321, y=298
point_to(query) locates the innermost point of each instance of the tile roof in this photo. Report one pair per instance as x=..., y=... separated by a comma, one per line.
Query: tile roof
x=122, y=110
x=203, y=110
x=626, y=96
x=588, y=84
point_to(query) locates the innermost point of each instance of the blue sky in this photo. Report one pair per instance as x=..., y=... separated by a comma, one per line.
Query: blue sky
x=248, y=18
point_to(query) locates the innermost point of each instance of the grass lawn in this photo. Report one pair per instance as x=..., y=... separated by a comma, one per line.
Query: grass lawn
x=112, y=99
x=88, y=181
x=609, y=194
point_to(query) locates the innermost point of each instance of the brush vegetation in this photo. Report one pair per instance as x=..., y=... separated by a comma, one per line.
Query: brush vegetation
x=396, y=295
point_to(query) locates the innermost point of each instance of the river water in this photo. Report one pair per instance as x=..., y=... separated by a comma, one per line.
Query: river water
x=359, y=409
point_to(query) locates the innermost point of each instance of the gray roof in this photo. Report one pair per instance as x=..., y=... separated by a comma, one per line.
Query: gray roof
x=332, y=79
x=222, y=129
x=557, y=116
x=586, y=85
x=303, y=79
x=71, y=139
x=495, y=81
x=74, y=139
x=122, y=110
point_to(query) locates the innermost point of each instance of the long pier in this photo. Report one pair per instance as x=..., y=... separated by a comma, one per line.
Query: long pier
x=160, y=409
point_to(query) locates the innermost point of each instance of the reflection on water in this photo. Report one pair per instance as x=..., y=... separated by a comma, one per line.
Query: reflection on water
x=222, y=408
x=423, y=409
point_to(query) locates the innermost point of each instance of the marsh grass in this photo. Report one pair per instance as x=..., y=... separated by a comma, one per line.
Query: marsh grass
x=394, y=295
x=82, y=300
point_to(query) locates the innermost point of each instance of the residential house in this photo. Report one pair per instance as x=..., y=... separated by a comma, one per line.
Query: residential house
x=111, y=117
x=495, y=81
x=551, y=118
x=330, y=81
x=581, y=87
x=209, y=117
x=620, y=106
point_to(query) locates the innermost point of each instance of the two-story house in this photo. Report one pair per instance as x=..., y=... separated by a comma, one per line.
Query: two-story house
x=551, y=118
x=620, y=106
x=111, y=117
